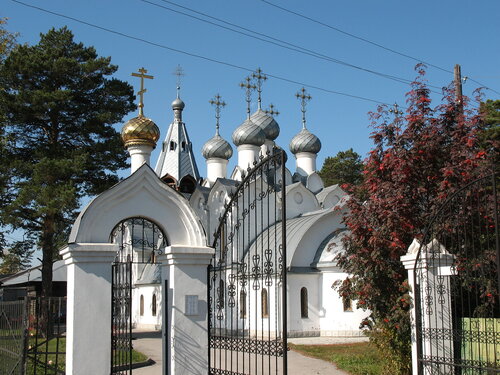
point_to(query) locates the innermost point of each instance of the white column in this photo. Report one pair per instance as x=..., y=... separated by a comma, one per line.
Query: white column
x=306, y=163
x=185, y=324
x=216, y=168
x=247, y=154
x=139, y=155
x=88, y=332
x=267, y=146
x=433, y=279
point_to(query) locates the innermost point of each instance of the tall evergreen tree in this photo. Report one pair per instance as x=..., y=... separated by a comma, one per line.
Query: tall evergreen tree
x=60, y=103
x=344, y=168
x=417, y=162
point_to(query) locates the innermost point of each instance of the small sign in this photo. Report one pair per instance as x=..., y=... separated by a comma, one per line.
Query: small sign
x=191, y=305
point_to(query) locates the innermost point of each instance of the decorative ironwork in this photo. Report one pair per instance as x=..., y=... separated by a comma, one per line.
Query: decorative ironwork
x=250, y=258
x=31, y=336
x=139, y=241
x=457, y=292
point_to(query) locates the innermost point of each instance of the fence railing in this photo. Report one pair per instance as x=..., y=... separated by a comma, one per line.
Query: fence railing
x=33, y=336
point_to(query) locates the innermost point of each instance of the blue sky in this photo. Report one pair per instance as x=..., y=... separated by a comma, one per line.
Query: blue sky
x=443, y=33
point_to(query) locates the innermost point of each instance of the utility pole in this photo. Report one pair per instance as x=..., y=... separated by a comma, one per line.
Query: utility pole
x=458, y=85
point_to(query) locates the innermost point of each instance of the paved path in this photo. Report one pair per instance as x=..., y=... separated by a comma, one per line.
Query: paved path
x=149, y=343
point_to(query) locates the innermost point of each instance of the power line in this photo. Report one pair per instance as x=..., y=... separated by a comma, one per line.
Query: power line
x=369, y=41
x=289, y=80
x=275, y=41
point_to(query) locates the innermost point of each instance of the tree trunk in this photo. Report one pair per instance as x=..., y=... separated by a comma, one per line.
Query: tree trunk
x=47, y=243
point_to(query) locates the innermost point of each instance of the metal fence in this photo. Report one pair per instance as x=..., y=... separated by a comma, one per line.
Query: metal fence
x=32, y=336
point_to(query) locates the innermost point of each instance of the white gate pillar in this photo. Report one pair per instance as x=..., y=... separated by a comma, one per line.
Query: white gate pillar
x=88, y=316
x=433, y=273
x=185, y=307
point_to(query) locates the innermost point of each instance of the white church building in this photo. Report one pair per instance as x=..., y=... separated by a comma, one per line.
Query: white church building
x=314, y=227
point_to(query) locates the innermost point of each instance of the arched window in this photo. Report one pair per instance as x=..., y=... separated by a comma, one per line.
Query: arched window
x=346, y=301
x=243, y=304
x=183, y=145
x=141, y=306
x=153, y=305
x=172, y=145
x=187, y=184
x=304, y=309
x=264, y=303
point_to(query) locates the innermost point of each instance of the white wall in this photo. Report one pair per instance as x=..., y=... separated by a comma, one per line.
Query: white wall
x=147, y=320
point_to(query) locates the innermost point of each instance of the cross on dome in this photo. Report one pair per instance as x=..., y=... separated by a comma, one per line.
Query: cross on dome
x=260, y=77
x=179, y=72
x=142, y=74
x=249, y=88
x=304, y=98
x=271, y=110
x=396, y=110
x=219, y=104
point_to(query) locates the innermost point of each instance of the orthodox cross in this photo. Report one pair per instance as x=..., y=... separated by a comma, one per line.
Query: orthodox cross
x=179, y=72
x=304, y=98
x=260, y=77
x=142, y=74
x=396, y=110
x=249, y=88
x=219, y=104
x=271, y=111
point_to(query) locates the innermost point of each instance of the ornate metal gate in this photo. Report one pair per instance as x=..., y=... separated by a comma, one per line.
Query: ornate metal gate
x=247, y=276
x=139, y=242
x=458, y=282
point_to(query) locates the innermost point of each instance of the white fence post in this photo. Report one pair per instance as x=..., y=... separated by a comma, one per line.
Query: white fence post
x=88, y=316
x=433, y=279
x=185, y=318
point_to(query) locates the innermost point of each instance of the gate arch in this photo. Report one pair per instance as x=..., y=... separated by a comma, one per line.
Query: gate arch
x=249, y=258
x=457, y=285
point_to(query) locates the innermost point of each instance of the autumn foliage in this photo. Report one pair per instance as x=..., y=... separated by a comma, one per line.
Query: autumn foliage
x=418, y=160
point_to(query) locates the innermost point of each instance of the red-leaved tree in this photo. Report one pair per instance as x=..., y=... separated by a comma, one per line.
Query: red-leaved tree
x=418, y=160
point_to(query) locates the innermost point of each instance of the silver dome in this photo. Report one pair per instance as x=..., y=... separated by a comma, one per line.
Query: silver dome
x=305, y=141
x=178, y=104
x=267, y=123
x=217, y=147
x=249, y=134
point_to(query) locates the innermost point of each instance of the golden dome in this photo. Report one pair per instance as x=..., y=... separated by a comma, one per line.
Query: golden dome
x=140, y=131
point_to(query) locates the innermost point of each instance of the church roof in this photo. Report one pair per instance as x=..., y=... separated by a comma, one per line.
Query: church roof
x=176, y=157
x=150, y=274
x=330, y=248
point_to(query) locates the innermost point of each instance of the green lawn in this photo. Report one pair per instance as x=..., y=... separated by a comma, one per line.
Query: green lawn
x=356, y=359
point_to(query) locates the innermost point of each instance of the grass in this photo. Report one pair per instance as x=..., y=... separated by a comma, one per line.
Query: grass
x=357, y=359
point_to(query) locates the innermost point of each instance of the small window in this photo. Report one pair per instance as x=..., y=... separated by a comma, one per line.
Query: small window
x=304, y=309
x=153, y=305
x=347, y=302
x=265, y=303
x=183, y=145
x=243, y=304
x=172, y=145
x=141, y=306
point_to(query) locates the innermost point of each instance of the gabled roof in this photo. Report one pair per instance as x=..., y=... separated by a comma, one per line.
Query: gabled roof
x=35, y=275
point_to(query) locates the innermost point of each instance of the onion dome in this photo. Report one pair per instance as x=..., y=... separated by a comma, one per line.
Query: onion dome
x=140, y=131
x=249, y=134
x=305, y=141
x=178, y=104
x=217, y=147
x=267, y=123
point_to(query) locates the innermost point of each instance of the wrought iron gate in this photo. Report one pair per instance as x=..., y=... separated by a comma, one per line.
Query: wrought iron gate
x=139, y=242
x=458, y=282
x=247, y=276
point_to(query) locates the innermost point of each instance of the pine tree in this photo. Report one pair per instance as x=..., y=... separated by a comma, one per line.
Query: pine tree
x=344, y=168
x=59, y=144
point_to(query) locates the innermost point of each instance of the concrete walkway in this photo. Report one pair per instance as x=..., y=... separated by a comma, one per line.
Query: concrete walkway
x=150, y=344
